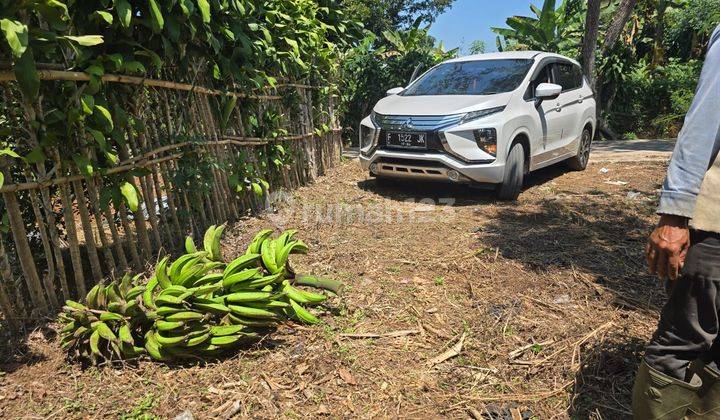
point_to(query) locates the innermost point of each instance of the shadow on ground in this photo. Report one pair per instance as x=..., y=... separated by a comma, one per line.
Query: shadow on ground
x=16, y=353
x=602, y=241
x=605, y=380
x=463, y=195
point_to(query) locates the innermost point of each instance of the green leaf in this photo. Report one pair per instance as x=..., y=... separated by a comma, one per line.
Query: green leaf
x=36, y=155
x=99, y=137
x=124, y=11
x=84, y=165
x=134, y=67
x=204, y=7
x=88, y=104
x=257, y=189
x=157, y=18
x=106, y=16
x=104, y=116
x=131, y=196
x=84, y=40
x=16, y=35
x=9, y=152
x=53, y=10
x=2, y=179
x=27, y=76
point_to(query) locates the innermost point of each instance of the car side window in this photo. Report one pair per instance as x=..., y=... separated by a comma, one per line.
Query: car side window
x=544, y=76
x=567, y=76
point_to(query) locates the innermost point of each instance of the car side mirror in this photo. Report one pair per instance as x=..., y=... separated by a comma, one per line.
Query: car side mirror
x=546, y=91
x=394, y=91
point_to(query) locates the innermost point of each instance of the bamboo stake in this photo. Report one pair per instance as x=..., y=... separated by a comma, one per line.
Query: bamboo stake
x=10, y=314
x=55, y=238
x=131, y=238
x=87, y=231
x=22, y=247
x=95, y=206
x=48, y=278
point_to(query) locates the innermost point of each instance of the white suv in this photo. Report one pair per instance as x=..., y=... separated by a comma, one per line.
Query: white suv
x=487, y=119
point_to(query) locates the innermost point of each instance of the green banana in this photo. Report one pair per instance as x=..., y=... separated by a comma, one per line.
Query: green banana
x=302, y=314
x=173, y=290
x=190, y=245
x=153, y=347
x=104, y=331
x=165, y=311
x=125, y=334
x=178, y=264
x=75, y=305
x=210, y=305
x=254, y=247
x=215, y=243
x=265, y=281
x=267, y=252
x=240, y=277
x=95, y=342
x=208, y=279
x=168, y=300
x=249, y=312
x=241, y=297
x=110, y=316
x=205, y=289
x=162, y=325
x=241, y=263
x=161, y=273
x=134, y=292
x=148, y=293
x=195, y=341
x=222, y=330
x=185, y=316
x=225, y=340
x=92, y=297
x=170, y=341
x=208, y=240
x=251, y=322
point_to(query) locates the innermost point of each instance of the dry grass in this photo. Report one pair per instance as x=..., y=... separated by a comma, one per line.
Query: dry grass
x=538, y=309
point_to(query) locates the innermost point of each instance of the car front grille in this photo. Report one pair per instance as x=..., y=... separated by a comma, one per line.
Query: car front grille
x=411, y=123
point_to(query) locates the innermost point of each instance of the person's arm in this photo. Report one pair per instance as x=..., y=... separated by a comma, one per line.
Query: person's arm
x=697, y=143
x=696, y=148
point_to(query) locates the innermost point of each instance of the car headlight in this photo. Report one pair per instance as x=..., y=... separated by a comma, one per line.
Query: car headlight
x=367, y=136
x=474, y=115
x=486, y=139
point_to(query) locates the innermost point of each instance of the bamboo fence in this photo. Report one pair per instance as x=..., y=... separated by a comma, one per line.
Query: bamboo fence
x=61, y=240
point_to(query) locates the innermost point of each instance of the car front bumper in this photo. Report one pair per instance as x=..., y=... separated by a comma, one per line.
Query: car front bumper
x=430, y=166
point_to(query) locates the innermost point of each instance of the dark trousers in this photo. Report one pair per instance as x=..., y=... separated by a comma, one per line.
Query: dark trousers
x=689, y=326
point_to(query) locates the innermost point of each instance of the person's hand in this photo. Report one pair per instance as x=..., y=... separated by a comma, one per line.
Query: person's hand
x=667, y=246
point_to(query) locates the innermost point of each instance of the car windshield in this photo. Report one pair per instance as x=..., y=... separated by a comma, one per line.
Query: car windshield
x=483, y=77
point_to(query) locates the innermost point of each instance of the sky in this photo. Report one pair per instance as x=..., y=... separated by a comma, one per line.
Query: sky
x=469, y=20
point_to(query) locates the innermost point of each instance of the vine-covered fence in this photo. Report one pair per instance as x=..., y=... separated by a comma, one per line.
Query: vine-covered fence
x=187, y=156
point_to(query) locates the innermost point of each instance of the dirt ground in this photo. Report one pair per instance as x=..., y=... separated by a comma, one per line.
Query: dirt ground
x=537, y=309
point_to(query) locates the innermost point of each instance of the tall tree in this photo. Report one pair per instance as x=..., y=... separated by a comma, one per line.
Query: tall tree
x=589, y=45
x=622, y=14
x=382, y=15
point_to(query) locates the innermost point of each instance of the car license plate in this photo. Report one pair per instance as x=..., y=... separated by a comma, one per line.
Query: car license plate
x=407, y=140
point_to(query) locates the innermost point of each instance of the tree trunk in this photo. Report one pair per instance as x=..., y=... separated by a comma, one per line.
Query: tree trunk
x=658, y=47
x=592, y=23
x=622, y=14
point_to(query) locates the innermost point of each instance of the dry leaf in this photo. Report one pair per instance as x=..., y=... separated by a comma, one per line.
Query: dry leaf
x=347, y=376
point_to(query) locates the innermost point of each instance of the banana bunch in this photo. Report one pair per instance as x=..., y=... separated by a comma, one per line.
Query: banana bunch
x=196, y=306
x=107, y=324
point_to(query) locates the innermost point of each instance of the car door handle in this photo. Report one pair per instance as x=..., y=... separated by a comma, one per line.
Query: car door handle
x=558, y=107
x=580, y=99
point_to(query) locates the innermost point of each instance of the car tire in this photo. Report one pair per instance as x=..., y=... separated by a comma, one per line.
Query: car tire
x=512, y=184
x=580, y=161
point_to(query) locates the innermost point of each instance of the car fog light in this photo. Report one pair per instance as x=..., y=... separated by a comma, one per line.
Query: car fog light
x=373, y=168
x=453, y=175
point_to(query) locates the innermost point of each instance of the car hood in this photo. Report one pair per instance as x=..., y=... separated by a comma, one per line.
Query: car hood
x=439, y=104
